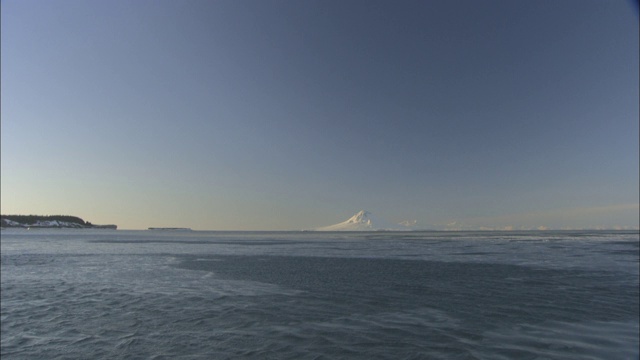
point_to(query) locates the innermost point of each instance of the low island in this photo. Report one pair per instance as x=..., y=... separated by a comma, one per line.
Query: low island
x=49, y=221
x=170, y=228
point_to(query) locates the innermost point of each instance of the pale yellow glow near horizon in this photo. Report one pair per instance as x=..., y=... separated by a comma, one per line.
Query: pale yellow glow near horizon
x=590, y=217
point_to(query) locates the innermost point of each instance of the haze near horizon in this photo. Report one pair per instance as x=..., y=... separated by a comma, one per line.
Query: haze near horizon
x=287, y=115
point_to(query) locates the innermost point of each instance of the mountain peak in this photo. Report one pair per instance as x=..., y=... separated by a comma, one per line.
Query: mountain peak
x=362, y=221
x=361, y=216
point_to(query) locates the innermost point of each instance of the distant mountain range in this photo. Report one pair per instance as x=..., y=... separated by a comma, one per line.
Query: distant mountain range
x=49, y=221
x=365, y=221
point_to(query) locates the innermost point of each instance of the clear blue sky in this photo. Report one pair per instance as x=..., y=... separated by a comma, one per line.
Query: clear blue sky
x=232, y=114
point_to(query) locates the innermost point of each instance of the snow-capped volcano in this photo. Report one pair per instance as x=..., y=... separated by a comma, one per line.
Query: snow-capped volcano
x=361, y=221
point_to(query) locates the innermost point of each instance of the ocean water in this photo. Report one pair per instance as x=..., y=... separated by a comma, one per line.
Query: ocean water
x=90, y=294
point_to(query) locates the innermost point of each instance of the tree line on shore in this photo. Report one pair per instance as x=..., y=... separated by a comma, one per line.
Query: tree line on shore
x=32, y=219
x=49, y=221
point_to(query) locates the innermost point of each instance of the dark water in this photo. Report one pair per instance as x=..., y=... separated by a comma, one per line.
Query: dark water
x=143, y=294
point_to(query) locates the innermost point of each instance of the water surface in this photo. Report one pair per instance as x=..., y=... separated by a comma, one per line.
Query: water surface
x=435, y=295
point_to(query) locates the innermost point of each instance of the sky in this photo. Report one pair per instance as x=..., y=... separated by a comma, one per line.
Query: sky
x=286, y=114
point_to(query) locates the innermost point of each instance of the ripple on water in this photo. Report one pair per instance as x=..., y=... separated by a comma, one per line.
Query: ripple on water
x=303, y=307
